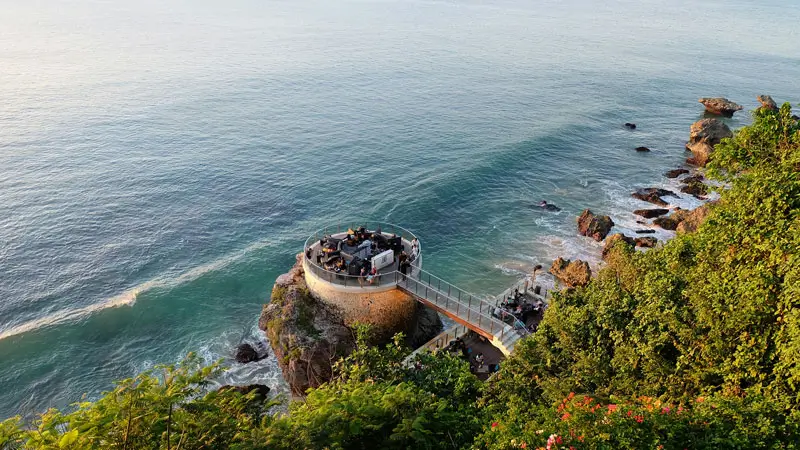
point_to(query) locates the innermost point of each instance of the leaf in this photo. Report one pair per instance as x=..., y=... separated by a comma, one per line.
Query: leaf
x=68, y=439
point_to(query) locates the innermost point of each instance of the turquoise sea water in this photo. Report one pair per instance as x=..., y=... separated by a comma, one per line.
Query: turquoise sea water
x=162, y=162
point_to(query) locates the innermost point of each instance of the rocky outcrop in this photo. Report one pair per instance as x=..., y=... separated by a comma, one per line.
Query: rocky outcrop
x=425, y=326
x=613, y=240
x=720, y=106
x=246, y=353
x=307, y=336
x=646, y=242
x=653, y=195
x=693, y=219
x=651, y=213
x=696, y=188
x=703, y=137
x=595, y=227
x=675, y=173
x=571, y=273
x=767, y=103
x=642, y=149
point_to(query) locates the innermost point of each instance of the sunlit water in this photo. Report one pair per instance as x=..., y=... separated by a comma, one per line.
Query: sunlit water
x=162, y=162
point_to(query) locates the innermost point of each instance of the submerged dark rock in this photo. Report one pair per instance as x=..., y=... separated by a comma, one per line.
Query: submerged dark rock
x=630, y=126
x=246, y=353
x=653, y=195
x=645, y=231
x=642, y=149
x=675, y=173
x=651, y=213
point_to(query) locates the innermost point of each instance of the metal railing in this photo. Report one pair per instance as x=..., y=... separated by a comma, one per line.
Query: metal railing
x=464, y=305
x=524, y=285
x=344, y=279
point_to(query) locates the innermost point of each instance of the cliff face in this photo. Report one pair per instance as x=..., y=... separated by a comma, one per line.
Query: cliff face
x=308, y=334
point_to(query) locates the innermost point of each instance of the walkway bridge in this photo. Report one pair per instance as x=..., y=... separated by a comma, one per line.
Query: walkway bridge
x=463, y=307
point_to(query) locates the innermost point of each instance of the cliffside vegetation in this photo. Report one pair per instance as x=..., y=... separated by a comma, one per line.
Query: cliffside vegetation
x=694, y=344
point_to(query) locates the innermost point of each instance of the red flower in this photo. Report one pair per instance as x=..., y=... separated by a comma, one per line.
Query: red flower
x=565, y=416
x=639, y=418
x=559, y=440
x=665, y=410
x=494, y=425
x=611, y=408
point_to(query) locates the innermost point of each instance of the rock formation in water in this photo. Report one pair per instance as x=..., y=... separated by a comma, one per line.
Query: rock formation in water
x=630, y=126
x=767, y=103
x=642, y=149
x=675, y=173
x=720, y=106
x=694, y=186
x=595, y=227
x=651, y=213
x=246, y=353
x=309, y=335
x=653, y=195
x=571, y=273
x=703, y=137
x=262, y=391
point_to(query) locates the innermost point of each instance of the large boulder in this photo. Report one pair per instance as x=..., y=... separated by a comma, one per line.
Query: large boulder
x=613, y=240
x=653, y=195
x=571, y=273
x=720, y=106
x=651, y=213
x=246, y=353
x=767, y=103
x=704, y=135
x=693, y=219
x=307, y=335
x=595, y=227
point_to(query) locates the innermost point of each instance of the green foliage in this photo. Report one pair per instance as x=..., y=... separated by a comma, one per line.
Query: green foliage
x=694, y=344
x=710, y=313
x=167, y=407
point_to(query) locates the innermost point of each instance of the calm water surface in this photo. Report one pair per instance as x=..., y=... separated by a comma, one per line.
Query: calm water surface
x=162, y=162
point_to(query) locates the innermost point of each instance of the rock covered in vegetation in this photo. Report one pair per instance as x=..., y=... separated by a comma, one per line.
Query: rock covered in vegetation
x=261, y=390
x=704, y=135
x=675, y=173
x=571, y=273
x=653, y=195
x=306, y=335
x=767, y=103
x=695, y=188
x=693, y=219
x=720, y=106
x=612, y=241
x=650, y=213
x=593, y=226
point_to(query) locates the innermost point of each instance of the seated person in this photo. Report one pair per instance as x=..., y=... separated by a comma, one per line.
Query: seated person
x=372, y=274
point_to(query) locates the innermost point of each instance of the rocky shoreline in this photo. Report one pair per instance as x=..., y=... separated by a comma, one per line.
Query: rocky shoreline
x=704, y=135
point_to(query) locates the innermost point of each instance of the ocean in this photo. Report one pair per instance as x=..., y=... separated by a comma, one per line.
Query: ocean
x=161, y=162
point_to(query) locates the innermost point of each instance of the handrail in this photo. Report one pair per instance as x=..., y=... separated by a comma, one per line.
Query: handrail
x=517, y=323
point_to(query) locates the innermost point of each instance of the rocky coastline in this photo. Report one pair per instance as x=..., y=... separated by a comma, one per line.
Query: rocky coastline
x=704, y=135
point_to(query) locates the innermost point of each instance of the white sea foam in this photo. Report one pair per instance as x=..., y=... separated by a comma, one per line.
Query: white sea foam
x=128, y=298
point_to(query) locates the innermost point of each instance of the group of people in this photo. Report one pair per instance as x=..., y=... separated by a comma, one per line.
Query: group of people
x=353, y=254
x=517, y=309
